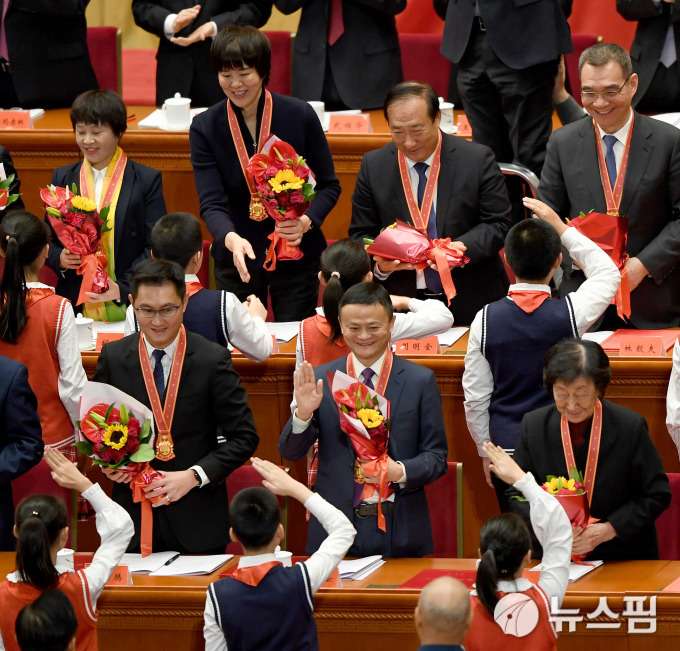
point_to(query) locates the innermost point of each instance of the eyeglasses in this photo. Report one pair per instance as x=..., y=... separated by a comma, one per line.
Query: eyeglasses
x=165, y=312
x=608, y=95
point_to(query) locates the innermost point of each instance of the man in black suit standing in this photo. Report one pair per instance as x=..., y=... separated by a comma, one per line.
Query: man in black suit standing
x=507, y=52
x=166, y=367
x=655, y=52
x=647, y=192
x=186, y=32
x=470, y=203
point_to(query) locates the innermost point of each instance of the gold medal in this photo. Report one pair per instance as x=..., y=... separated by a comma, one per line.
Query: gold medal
x=257, y=211
x=165, y=448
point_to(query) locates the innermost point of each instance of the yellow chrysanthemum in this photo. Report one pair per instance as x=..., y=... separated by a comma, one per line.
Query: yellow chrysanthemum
x=83, y=203
x=116, y=436
x=553, y=485
x=286, y=180
x=571, y=485
x=370, y=417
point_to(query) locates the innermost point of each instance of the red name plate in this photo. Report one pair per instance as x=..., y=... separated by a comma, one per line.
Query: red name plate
x=120, y=576
x=15, y=120
x=464, y=128
x=350, y=123
x=333, y=581
x=106, y=338
x=427, y=346
x=636, y=346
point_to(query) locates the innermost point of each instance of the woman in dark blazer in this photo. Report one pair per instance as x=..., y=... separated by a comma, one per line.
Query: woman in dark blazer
x=630, y=489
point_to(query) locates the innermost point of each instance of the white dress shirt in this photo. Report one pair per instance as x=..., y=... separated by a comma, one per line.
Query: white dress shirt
x=673, y=399
x=588, y=302
x=320, y=565
x=99, y=176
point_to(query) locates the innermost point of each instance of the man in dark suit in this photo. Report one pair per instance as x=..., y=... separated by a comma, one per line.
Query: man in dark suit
x=417, y=446
x=471, y=201
x=507, y=53
x=345, y=53
x=183, y=58
x=15, y=186
x=21, y=444
x=193, y=519
x=655, y=52
x=572, y=183
x=45, y=62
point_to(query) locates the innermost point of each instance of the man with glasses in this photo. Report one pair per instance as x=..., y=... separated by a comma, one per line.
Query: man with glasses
x=193, y=389
x=623, y=162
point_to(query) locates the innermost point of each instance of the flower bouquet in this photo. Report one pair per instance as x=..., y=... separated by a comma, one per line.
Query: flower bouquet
x=403, y=242
x=365, y=418
x=5, y=197
x=610, y=233
x=286, y=186
x=79, y=227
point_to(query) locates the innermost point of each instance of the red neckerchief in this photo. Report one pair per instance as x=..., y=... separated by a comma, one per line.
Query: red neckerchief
x=253, y=575
x=528, y=300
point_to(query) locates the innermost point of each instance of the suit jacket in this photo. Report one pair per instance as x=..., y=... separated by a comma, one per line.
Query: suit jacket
x=15, y=186
x=472, y=206
x=223, y=191
x=571, y=183
x=631, y=487
x=365, y=61
x=545, y=20
x=210, y=395
x=21, y=444
x=417, y=439
x=140, y=206
x=650, y=36
x=179, y=68
x=47, y=45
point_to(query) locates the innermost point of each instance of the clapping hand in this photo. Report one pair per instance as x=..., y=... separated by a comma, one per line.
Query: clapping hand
x=308, y=392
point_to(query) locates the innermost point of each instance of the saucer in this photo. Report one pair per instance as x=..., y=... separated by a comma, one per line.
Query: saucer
x=164, y=126
x=449, y=130
x=86, y=348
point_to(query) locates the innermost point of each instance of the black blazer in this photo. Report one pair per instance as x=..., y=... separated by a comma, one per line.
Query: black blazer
x=180, y=68
x=472, y=206
x=365, y=61
x=210, y=395
x=631, y=487
x=140, y=206
x=15, y=186
x=47, y=45
x=571, y=183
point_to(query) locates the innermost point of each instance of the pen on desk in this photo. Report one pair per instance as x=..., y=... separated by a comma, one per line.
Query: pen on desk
x=131, y=117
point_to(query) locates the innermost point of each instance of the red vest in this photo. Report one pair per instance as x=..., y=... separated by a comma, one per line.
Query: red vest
x=486, y=634
x=14, y=596
x=316, y=350
x=37, y=349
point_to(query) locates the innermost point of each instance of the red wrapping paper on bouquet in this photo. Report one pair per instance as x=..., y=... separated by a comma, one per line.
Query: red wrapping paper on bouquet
x=610, y=233
x=405, y=243
x=138, y=485
x=578, y=511
x=364, y=418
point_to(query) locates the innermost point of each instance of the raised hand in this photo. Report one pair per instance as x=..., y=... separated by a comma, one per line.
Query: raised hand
x=64, y=472
x=308, y=392
x=502, y=464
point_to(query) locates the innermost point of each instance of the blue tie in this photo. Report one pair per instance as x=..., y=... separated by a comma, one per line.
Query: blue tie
x=610, y=159
x=158, y=378
x=368, y=374
x=432, y=279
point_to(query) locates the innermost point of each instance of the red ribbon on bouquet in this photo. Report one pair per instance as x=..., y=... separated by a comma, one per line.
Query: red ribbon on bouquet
x=137, y=485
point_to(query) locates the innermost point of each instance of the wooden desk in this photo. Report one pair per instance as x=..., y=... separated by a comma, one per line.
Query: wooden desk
x=167, y=612
x=639, y=384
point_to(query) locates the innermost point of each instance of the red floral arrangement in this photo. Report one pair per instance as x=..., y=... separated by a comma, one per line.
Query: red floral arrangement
x=5, y=197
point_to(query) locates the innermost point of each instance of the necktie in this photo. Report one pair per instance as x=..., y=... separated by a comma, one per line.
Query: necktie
x=336, y=24
x=367, y=375
x=610, y=159
x=158, y=378
x=432, y=279
x=669, y=54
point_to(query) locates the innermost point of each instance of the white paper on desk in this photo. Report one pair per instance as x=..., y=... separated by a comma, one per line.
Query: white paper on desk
x=157, y=119
x=283, y=330
x=576, y=570
x=669, y=118
x=359, y=567
x=192, y=565
x=451, y=336
x=597, y=337
x=327, y=116
x=138, y=565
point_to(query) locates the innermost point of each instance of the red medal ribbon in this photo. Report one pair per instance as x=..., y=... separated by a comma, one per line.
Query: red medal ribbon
x=613, y=199
x=164, y=415
x=529, y=300
x=139, y=482
x=421, y=216
x=88, y=192
x=385, y=371
x=253, y=575
x=193, y=287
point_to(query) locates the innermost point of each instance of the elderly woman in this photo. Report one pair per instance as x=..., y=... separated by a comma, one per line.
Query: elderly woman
x=630, y=488
x=223, y=139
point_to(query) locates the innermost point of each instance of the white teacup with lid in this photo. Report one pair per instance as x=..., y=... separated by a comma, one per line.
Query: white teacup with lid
x=177, y=111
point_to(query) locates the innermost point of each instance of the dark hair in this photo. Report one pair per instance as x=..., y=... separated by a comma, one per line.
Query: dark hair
x=235, y=47
x=100, y=108
x=254, y=516
x=177, y=237
x=574, y=358
x=367, y=294
x=48, y=624
x=413, y=89
x=39, y=520
x=157, y=273
x=531, y=249
x=504, y=541
x=349, y=259
x=23, y=236
x=601, y=54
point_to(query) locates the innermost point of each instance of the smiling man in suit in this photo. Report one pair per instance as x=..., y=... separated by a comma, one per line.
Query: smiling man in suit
x=417, y=445
x=647, y=193
x=197, y=457
x=470, y=202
